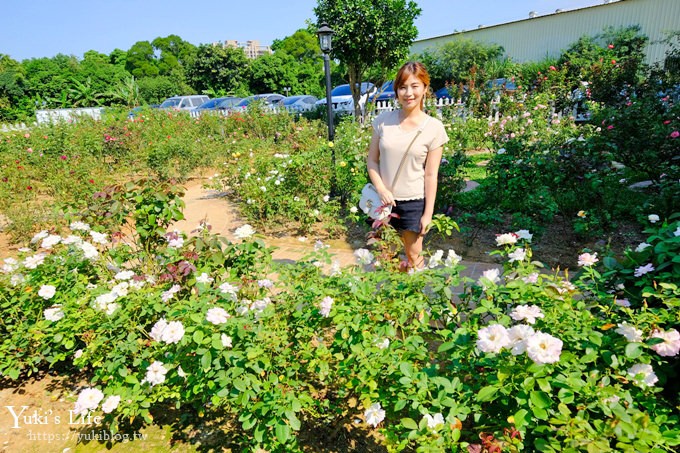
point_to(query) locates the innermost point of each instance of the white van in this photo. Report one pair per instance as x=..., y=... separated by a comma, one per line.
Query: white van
x=183, y=102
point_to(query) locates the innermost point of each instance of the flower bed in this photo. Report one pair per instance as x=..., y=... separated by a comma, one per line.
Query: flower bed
x=522, y=359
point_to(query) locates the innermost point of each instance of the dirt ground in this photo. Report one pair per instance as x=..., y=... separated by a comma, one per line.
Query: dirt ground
x=557, y=246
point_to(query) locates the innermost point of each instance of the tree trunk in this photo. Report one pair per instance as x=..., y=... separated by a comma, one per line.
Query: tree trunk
x=354, y=74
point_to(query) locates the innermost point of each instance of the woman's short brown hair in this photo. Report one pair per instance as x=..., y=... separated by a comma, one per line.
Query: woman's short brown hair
x=412, y=68
x=417, y=69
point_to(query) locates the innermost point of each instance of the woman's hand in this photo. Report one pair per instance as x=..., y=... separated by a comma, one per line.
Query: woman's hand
x=386, y=198
x=425, y=222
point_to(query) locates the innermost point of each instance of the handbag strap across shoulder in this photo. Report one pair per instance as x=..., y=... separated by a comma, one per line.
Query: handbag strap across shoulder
x=403, y=159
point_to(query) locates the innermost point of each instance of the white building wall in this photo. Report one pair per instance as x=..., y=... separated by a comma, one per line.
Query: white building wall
x=548, y=35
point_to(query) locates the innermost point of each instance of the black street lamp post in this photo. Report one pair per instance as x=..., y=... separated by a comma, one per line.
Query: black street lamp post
x=325, y=34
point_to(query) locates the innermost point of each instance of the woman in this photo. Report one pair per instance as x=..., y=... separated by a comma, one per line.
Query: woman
x=415, y=187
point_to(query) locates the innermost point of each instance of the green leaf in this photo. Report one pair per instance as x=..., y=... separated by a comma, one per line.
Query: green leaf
x=633, y=350
x=566, y=396
x=544, y=384
x=539, y=413
x=223, y=392
x=240, y=385
x=610, y=359
x=487, y=393
x=409, y=423
x=294, y=421
x=282, y=432
x=540, y=399
x=206, y=361
x=564, y=409
x=258, y=434
x=595, y=338
x=198, y=337
x=406, y=369
x=521, y=418
x=446, y=346
x=295, y=404
x=610, y=262
x=131, y=379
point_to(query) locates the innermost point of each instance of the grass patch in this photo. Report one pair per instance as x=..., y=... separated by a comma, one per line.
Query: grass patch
x=475, y=169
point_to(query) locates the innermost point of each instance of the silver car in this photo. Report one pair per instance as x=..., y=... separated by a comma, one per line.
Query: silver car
x=183, y=102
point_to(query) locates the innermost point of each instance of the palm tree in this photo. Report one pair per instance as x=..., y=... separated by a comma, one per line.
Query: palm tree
x=126, y=92
x=84, y=94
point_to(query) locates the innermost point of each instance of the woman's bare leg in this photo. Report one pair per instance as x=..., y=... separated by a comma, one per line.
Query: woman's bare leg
x=413, y=246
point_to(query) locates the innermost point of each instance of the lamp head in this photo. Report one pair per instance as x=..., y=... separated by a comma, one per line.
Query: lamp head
x=325, y=34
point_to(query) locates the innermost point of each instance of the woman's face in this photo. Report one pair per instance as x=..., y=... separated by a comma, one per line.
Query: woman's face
x=411, y=93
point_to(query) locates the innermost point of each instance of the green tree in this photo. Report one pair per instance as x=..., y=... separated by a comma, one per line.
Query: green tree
x=141, y=60
x=154, y=90
x=174, y=53
x=453, y=62
x=12, y=91
x=84, y=94
x=271, y=73
x=48, y=79
x=670, y=69
x=369, y=32
x=97, y=75
x=611, y=62
x=219, y=68
x=125, y=93
x=302, y=45
x=118, y=57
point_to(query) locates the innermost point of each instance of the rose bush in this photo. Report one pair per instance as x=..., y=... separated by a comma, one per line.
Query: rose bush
x=521, y=359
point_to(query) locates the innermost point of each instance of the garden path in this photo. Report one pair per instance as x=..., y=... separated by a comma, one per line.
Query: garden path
x=213, y=207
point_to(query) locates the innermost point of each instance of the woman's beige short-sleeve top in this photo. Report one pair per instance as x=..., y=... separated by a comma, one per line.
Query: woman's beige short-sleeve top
x=393, y=144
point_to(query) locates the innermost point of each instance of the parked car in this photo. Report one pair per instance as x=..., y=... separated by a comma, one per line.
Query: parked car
x=502, y=84
x=301, y=103
x=228, y=103
x=184, y=102
x=138, y=110
x=341, y=97
x=214, y=104
x=268, y=99
x=443, y=93
x=385, y=93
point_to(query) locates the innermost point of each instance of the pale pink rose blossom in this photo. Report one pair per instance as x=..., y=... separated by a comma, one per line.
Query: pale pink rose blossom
x=671, y=342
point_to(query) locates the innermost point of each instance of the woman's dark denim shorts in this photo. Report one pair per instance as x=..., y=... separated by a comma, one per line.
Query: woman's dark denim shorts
x=410, y=212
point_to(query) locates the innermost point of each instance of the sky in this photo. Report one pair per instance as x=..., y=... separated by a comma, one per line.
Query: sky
x=45, y=28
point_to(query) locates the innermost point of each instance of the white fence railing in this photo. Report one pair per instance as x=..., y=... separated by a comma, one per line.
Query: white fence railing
x=14, y=127
x=68, y=115
x=55, y=116
x=269, y=108
x=457, y=107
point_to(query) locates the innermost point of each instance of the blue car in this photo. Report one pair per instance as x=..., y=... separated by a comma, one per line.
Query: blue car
x=500, y=84
x=216, y=104
x=443, y=93
x=385, y=93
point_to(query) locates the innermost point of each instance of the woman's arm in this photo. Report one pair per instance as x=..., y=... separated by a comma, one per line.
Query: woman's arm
x=432, y=161
x=373, y=164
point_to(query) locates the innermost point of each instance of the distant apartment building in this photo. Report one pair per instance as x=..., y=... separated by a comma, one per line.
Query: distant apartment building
x=252, y=49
